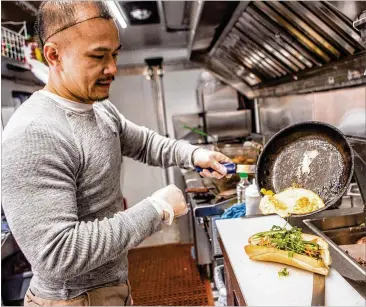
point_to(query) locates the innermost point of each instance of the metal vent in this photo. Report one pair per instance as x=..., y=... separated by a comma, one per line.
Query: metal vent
x=271, y=40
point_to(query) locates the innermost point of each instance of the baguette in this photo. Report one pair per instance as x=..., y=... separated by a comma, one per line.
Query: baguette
x=318, y=265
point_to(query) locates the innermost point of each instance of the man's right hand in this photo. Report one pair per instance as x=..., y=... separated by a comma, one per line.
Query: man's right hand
x=172, y=196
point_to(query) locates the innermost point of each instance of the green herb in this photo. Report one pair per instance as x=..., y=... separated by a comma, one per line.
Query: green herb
x=283, y=272
x=289, y=240
x=196, y=130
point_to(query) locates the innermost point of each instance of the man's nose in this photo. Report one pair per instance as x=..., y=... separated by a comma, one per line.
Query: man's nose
x=111, y=68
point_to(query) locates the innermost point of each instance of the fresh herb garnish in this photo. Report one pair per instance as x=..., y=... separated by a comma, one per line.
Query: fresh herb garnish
x=289, y=240
x=283, y=272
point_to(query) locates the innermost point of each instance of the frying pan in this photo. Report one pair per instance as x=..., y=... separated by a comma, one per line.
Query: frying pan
x=313, y=155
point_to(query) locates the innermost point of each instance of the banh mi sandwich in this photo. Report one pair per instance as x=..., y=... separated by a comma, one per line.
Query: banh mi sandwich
x=291, y=201
x=291, y=247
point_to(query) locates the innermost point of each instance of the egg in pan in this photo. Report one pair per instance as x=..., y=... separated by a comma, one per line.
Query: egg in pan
x=290, y=202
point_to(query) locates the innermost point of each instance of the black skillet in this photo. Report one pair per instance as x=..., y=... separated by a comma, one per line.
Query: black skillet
x=313, y=155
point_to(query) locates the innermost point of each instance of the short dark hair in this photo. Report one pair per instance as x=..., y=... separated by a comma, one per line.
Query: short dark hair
x=54, y=16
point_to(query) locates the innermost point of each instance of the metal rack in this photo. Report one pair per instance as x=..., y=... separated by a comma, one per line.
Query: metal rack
x=12, y=43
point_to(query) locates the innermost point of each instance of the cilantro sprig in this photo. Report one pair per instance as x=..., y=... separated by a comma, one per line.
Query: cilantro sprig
x=283, y=272
x=289, y=240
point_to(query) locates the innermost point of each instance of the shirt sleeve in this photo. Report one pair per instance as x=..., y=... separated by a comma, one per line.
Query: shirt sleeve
x=147, y=146
x=39, y=170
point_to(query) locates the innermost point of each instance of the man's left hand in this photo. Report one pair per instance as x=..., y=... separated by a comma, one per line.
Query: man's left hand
x=211, y=159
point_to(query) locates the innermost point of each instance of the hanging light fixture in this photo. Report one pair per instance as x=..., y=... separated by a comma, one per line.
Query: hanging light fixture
x=140, y=14
x=116, y=13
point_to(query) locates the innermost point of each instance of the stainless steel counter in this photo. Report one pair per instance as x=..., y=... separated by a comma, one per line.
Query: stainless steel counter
x=338, y=261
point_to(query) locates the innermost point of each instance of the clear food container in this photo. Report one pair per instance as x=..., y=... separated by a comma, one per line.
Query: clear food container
x=240, y=154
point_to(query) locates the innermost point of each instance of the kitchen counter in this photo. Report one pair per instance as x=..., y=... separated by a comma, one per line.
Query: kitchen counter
x=338, y=262
x=256, y=283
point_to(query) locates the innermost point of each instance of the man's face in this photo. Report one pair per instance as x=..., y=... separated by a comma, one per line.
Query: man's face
x=88, y=59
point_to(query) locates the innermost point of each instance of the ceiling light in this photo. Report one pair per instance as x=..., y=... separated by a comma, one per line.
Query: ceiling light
x=116, y=13
x=140, y=14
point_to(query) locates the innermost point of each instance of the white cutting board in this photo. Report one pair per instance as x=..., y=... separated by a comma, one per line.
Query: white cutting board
x=259, y=281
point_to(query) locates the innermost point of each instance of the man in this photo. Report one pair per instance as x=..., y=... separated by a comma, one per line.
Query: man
x=62, y=155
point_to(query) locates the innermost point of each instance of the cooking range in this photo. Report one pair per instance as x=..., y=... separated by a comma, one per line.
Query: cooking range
x=207, y=205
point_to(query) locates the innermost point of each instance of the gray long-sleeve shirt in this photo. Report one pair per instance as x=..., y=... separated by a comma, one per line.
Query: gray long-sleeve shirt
x=61, y=192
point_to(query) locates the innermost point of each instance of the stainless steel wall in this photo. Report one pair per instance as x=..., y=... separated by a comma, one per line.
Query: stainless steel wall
x=223, y=98
x=220, y=104
x=344, y=108
x=229, y=124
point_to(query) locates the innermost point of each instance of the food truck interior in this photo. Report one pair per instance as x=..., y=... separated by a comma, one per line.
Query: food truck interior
x=228, y=76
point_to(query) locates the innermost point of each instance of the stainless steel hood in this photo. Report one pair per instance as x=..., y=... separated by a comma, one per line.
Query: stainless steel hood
x=268, y=43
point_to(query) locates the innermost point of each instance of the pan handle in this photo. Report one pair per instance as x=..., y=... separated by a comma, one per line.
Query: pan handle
x=233, y=168
x=230, y=167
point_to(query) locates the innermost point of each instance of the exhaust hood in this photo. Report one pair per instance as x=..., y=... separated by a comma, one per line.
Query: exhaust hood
x=308, y=45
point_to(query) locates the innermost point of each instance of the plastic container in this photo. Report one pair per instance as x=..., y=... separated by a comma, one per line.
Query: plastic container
x=239, y=154
x=241, y=187
x=252, y=199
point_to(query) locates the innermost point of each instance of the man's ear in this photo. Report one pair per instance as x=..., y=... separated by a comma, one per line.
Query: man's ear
x=52, y=54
